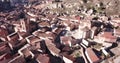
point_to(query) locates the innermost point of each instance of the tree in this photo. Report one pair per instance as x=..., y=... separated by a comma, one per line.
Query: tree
x=85, y=1
x=57, y=0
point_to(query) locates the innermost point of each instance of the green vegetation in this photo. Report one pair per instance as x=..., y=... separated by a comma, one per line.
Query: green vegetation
x=85, y=1
x=77, y=55
x=97, y=46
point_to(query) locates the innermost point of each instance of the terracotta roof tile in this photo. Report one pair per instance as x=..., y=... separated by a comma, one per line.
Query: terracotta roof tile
x=18, y=59
x=44, y=24
x=52, y=47
x=32, y=39
x=109, y=37
x=93, y=57
x=5, y=56
x=4, y=48
x=13, y=37
x=26, y=52
x=3, y=32
x=43, y=58
x=65, y=39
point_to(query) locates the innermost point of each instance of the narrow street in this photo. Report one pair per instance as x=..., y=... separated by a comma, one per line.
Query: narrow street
x=83, y=53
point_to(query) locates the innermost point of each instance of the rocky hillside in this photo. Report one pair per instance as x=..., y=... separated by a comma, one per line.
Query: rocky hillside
x=110, y=7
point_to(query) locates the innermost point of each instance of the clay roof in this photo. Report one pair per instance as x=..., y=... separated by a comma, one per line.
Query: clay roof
x=13, y=37
x=78, y=17
x=37, y=32
x=18, y=59
x=85, y=29
x=3, y=32
x=43, y=58
x=65, y=39
x=37, y=45
x=63, y=18
x=45, y=35
x=67, y=22
x=44, y=24
x=45, y=29
x=26, y=52
x=16, y=22
x=23, y=34
x=93, y=57
x=117, y=31
x=65, y=54
x=51, y=16
x=73, y=26
x=39, y=6
x=33, y=39
x=66, y=48
x=41, y=35
x=50, y=35
x=58, y=30
x=52, y=47
x=4, y=48
x=109, y=37
x=94, y=28
x=115, y=18
x=2, y=44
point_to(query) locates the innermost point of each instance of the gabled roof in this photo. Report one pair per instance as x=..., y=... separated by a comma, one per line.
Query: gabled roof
x=32, y=39
x=4, y=48
x=66, y=39
x=26, y=52
x=58, y=30
x=48, y=34
x=117, y=20
x=92, y=57
x=52, y=47
x=39, y=6
x=3, y=32
x=85, y=29
x=18, y=59
x=65, y=54
x=5, y=56
x=74, y=26
x=13, y=37
x=43, y=58
x=117, y=31
x=23, y=34
x=109, y=37
x=44, y=24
